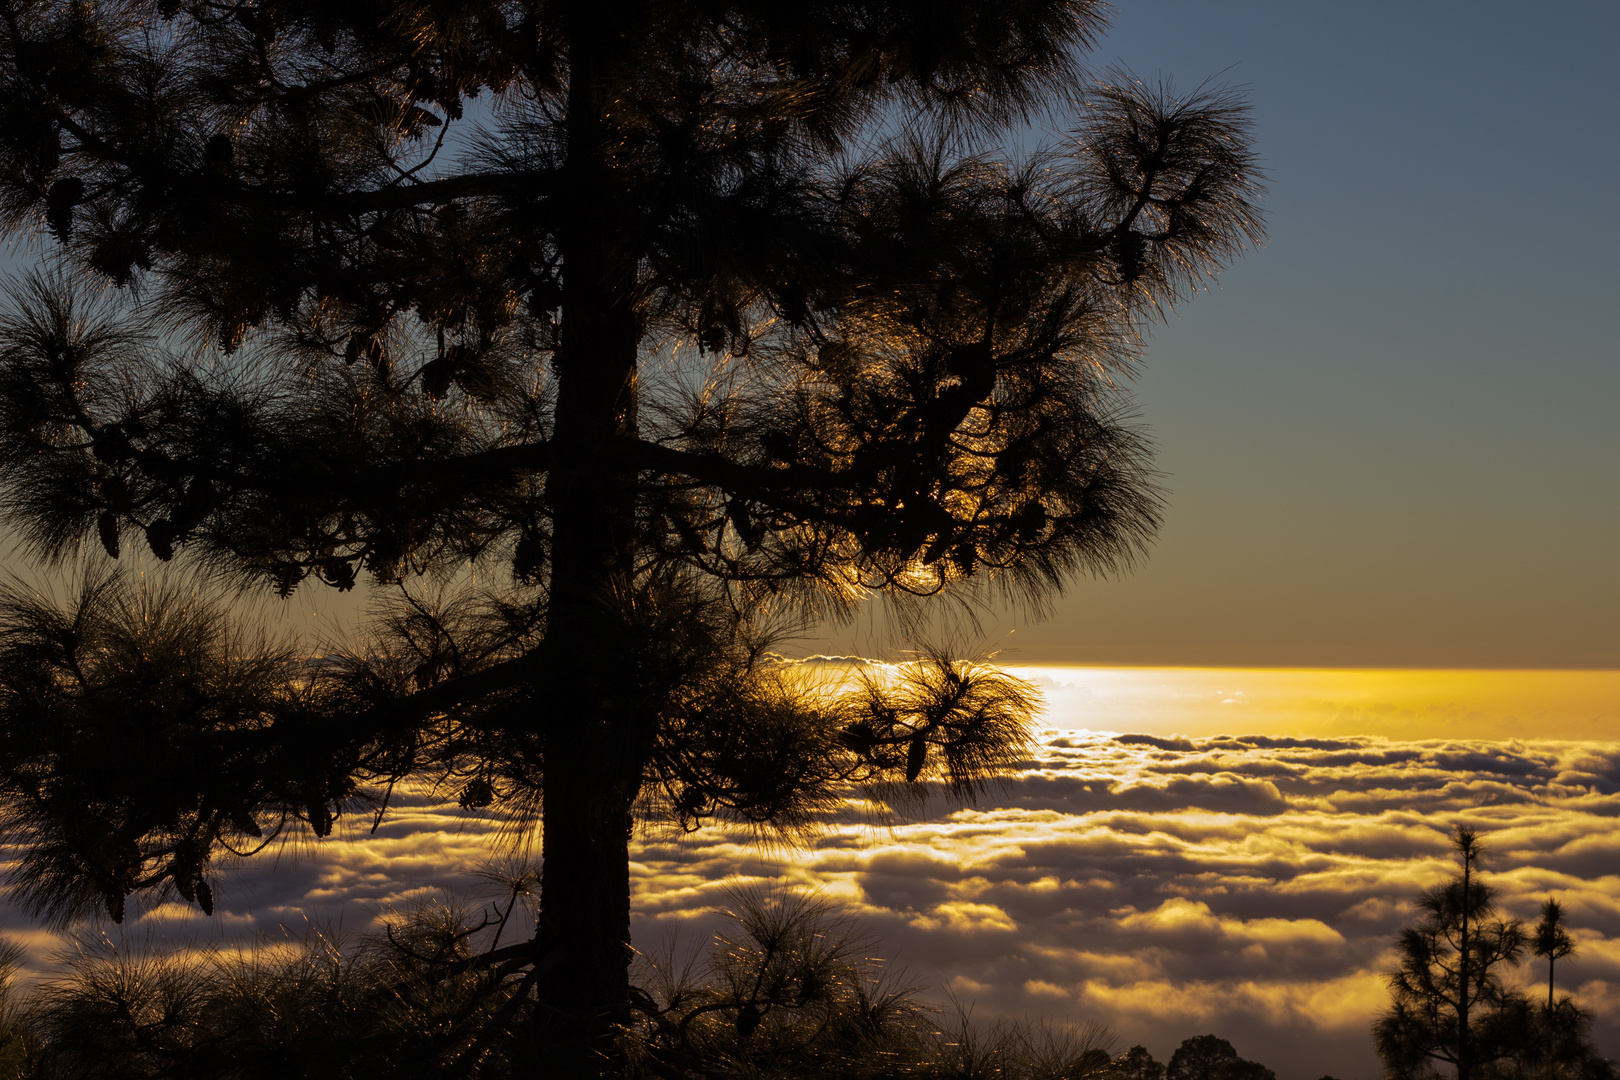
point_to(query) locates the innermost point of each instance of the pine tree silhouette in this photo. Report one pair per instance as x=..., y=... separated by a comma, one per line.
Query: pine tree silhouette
x=1449, y=1003
x=1551, y=941
x=631, y=305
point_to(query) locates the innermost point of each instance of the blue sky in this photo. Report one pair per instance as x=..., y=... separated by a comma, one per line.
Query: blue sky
x=1390, y=434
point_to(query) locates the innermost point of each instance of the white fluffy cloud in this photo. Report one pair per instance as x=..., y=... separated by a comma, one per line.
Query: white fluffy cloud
x=1249, y=886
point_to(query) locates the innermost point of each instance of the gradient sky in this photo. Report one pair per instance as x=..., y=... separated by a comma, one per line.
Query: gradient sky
x=1390, y=435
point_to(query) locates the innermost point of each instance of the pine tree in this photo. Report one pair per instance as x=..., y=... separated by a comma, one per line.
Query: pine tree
x=681, y=323
x=1551, y=941
x=1450, y=1004
x=1564, y=1047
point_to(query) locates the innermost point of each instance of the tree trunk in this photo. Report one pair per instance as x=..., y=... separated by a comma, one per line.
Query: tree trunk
x=1465, y=1040
x=585, y=920
x=596, y=734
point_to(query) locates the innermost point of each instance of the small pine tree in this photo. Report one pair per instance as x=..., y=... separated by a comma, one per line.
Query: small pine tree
x=1449, y=1002
x=1552, y=941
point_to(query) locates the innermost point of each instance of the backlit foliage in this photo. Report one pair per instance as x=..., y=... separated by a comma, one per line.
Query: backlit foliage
x=668, y=326
x=1453, y=1013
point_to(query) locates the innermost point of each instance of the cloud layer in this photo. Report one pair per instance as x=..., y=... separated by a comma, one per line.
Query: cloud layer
x=1249, y=886
x=1167, y=886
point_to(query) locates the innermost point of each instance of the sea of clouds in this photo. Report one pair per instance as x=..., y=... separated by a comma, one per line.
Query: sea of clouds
x=1167, y=886
x=1247, y=886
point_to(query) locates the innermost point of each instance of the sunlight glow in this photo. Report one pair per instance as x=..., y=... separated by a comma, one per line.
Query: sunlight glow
x=1394, y=703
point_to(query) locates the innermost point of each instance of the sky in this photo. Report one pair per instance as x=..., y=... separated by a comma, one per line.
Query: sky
x=1389, y=435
